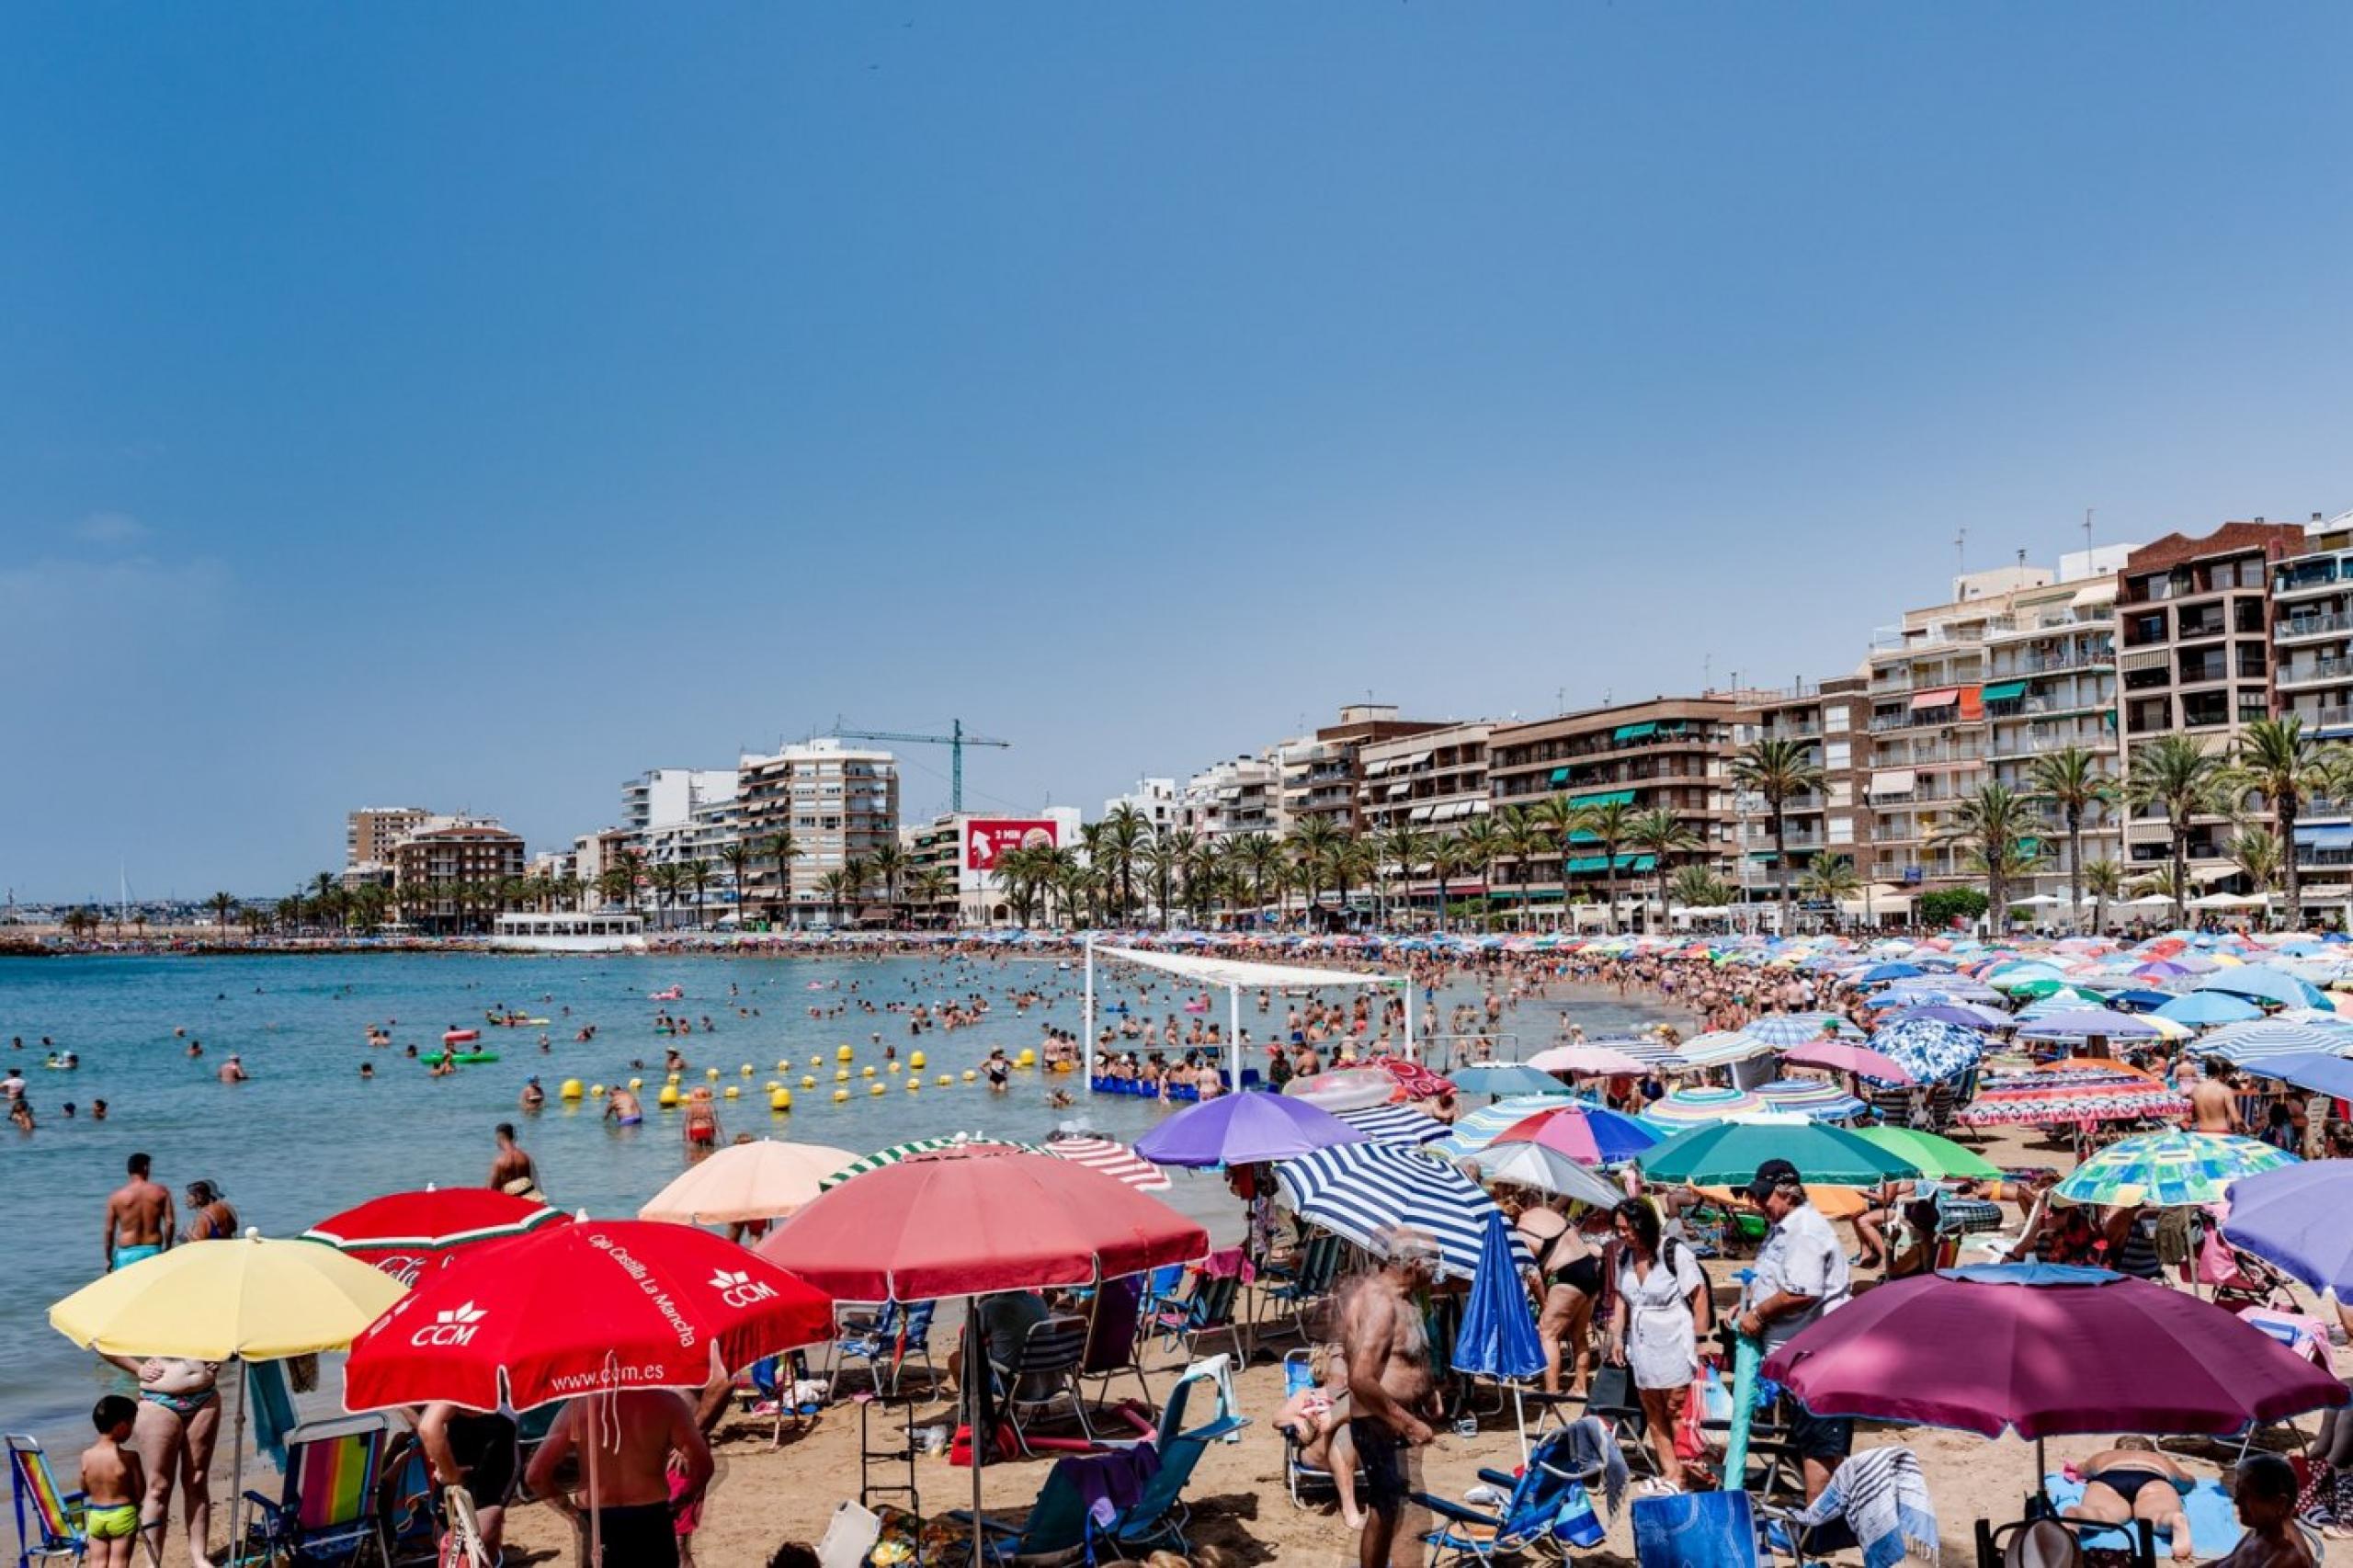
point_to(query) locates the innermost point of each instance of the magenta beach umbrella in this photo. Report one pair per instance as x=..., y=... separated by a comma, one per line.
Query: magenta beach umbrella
x=2050, y=1350
x=1244, y=1129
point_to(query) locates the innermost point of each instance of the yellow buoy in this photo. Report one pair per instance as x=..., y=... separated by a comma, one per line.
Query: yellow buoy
x=668, y=1096
x=783, y=1065
x=816, y=1061
x=916, y=1062
x=571, y=1089
x=915, y=1085
x=874, y=1089
x=840, y=1096
x=730, y=1092
x=808, y=1080
x=968, y=1075
x=782, y=1099
x=844, y=1054
x=711, y=1073
x=596, y=1091
x=1028, y=1058
x=894, y=1067
x=865, y=1072
x=944, y=1080
x=637, y=1083
x=841, y=1074
x=747, y=1069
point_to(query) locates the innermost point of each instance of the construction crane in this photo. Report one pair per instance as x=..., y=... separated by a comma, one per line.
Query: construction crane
x=956, y=740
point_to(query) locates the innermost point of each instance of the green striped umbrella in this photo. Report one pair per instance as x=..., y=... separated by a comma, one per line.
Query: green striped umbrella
x=897, y=1152
x=1728, y=1153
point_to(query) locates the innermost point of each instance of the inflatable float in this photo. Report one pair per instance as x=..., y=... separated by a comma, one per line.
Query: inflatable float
x=463, y=1057
x=459, y=1037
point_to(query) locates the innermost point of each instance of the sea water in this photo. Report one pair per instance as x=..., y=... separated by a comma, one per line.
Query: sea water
x=306, y=1137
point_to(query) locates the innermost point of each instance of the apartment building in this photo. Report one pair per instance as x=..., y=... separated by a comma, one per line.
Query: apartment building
x=2312, y=638
x=1433, y=780
x=444, y=853
x=962, y=847
x=1928, y=725
x=1831, y=719
x=1154, y=799
x=1671, y=753
x=1240, y=795
x=838, y=801
x=370, y=832
x=1322, y=773
x=2194, y=617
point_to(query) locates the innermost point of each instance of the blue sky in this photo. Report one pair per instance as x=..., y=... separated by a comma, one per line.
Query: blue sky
x=473, y=405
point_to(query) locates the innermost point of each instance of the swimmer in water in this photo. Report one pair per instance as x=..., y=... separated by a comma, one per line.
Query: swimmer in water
x=367, y=1069
x=622, y=1110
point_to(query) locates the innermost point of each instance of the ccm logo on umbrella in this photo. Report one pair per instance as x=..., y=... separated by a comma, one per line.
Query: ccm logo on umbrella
x=455, y=1326
x=738, y=1290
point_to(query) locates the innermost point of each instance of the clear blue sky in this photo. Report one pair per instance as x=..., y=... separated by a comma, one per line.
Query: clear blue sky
x=475, y=404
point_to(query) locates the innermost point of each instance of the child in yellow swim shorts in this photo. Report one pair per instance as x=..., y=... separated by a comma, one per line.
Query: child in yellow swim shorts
x=113, y=1483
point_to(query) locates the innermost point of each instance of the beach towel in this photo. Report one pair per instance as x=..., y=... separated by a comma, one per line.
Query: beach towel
x=1108, y=1483
x=2214, y=1526
x=273, y=1406
x=1591, y=1446
x=1884, y=1499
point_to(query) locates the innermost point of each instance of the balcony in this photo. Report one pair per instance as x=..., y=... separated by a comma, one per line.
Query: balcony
x=2300, y=627
x=2334, y=667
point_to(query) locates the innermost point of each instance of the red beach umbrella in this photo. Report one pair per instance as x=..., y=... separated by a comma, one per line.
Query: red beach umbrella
x=405, y=1233
x=578, y=1308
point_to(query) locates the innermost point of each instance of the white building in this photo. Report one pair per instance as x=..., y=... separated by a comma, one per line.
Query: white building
x=1156, y=800
x=965, y=845
x=661, y=795
x=839, y=802
x=1240, y=795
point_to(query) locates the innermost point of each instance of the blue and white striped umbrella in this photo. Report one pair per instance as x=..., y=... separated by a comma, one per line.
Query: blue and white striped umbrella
x=1816, y=1099
x=1359, y=1189
x=2253, y=1042
x=1715, y=1050
x=1475, y=1130
x=1397, y=1124
x=1930, y=1051
x=2079, y=1022
x=1785, y=1029
x=2264, y=983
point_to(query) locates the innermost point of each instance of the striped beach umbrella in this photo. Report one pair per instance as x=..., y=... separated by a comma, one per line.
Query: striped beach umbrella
x=2253, y=1042
x=1359, y=1190
x=1717, y=1050
x=2075, y=1092
x=1114, y=1160
x=1785, y=1029
x=1699, y=1107
x=897, y=1152
x=1397, y=1124
x=2087, y=1023
x=1472, y=1130
x=2169, y=1170
x=1816, y=1099
x=1931, y=1053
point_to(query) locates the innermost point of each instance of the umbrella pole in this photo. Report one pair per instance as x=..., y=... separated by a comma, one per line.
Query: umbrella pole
x=237, y=1465
x=976, y=1366
x=1233, y=1036
x=1087, y=1014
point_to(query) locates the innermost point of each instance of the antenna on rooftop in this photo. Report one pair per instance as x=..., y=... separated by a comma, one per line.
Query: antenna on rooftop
x=1960, y=551
x=2088, y=528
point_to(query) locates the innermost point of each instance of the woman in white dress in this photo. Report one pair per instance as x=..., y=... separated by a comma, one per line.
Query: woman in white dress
x=1655, y=1326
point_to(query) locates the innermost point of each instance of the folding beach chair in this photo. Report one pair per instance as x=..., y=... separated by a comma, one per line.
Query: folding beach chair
x=1546, y=1513
x=1205, y=1309
x=1045, y=1369
x=412, y=1532
x=328, y=1512
x=2060, y=1543
x=893, y=1337
x=1116, y=1331
x=1300, y=1478
x=48, y=1522
x=1307, y=1285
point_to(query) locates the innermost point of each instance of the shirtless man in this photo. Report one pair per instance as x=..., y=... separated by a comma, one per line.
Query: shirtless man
x=633, y=1501
x=2212, y=1107
x=1390, y=1381
x=139, y=1218
x=2265, y=1490
x=512, y=1171
x=233, y=1071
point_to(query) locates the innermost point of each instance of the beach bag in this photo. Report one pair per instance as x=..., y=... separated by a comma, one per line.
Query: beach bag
x=1694, y=1529
x=1717, y=1400
x=1575, y=1522
x=1690, y=1435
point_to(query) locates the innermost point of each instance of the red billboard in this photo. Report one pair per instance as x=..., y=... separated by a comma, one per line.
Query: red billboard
x=985, y=838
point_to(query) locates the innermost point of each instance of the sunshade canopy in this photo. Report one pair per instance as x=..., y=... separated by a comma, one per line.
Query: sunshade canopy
x=244, y=1296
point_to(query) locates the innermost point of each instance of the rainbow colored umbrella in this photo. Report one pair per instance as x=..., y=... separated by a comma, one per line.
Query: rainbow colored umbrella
x=1813, y=1098
x=2169, y=1170
x=1704, y=1108
x=2075, y=1091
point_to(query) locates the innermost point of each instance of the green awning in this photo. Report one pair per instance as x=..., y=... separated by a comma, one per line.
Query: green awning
x=1559, y=775
x=1762, y=854
x=2006, y=691
x=1634, y=731
x=1607, y=798
x=1587, y=863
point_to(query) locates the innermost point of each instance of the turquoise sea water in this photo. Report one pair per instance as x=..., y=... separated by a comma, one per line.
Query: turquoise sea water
x=306, y=1137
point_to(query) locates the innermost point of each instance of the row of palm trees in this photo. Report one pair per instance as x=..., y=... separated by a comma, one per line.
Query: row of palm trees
x=2260, y=785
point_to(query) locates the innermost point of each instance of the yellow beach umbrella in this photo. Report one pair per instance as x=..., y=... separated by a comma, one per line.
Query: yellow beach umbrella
x=246, y=1297
x=761, y=1180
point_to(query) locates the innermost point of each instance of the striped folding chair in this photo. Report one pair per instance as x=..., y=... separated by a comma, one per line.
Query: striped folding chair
x=328, y=1512
x=48, y=1522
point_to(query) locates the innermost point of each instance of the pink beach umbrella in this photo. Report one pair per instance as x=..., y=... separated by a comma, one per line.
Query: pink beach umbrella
x=1839, y=1056
x=1587, y=1062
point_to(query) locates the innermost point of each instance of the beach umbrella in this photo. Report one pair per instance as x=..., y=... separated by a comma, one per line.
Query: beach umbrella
x=241, y=1298
x=1966, y=1013
x=2168, y=1170
x=1500, y=1078
x=1727, y=1154
x=1587, y=1133
x=1414, y=1080
x=883, y=1158
x=1936, y=1156
x=1930, y=1051
x=760, y=1180
x=1588, y=1062
x=404, y=1234
x=2087, y=1023
x=2079, y=1090
x=1472, y=1130
x=1106, y=1157
x=1245, y=1130
x=1396, y=1124
x=1497, y=1336
x=1719, y=1049
x=1703, y=1108
x=2245, y=1043
x=2295, y=1216
x=1880, y=973
x=1541, y=1168
x=1360, y=1189
x=1795, y=1028
x=2053, y=1351
x=1840, y=1056
x=1814, y=1098
x=2323, y=1074
x=2263, y=982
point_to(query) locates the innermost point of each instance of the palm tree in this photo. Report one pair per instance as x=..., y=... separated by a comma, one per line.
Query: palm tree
x=840, y=888
x=1261, y=855
x=2258, y=853
x=1348, y=861
x=1532, y=844
x=1161, y=863
x=1608, y=825
x=2173, y=773
x=784, y=850
x=669, y=884
x=738, y=856
x=223, y=905
x=1831, y=880
x=613, y=885
x=1699, y=887
x=1124, y=832
x=696, y=873
x=2164, y=881
x=1557, y=817
x=1779, y=770
x=1447, y=856
x=2105, y=878
x=1409, y=849
x=927, y=885
x=633, y=865
x=1988, y=826
x=1481, y=842
x=1310, y=844
x=1662, y=834
x=2277, y=760
x=2070, y=781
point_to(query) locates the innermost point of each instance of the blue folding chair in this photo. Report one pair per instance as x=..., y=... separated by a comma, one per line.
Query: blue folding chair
x=1547, y=1512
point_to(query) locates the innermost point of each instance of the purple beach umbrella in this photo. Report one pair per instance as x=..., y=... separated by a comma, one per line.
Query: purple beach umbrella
x=1244, y=1129
x=2295, y=1217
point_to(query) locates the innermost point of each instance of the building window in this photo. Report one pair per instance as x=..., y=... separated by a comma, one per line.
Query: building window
x=2205, y=710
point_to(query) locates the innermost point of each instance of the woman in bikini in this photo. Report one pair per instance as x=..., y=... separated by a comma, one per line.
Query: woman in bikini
x=2133, y=1480
x=1571, y=1266
x=178, y=1421
x=210, y=1217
